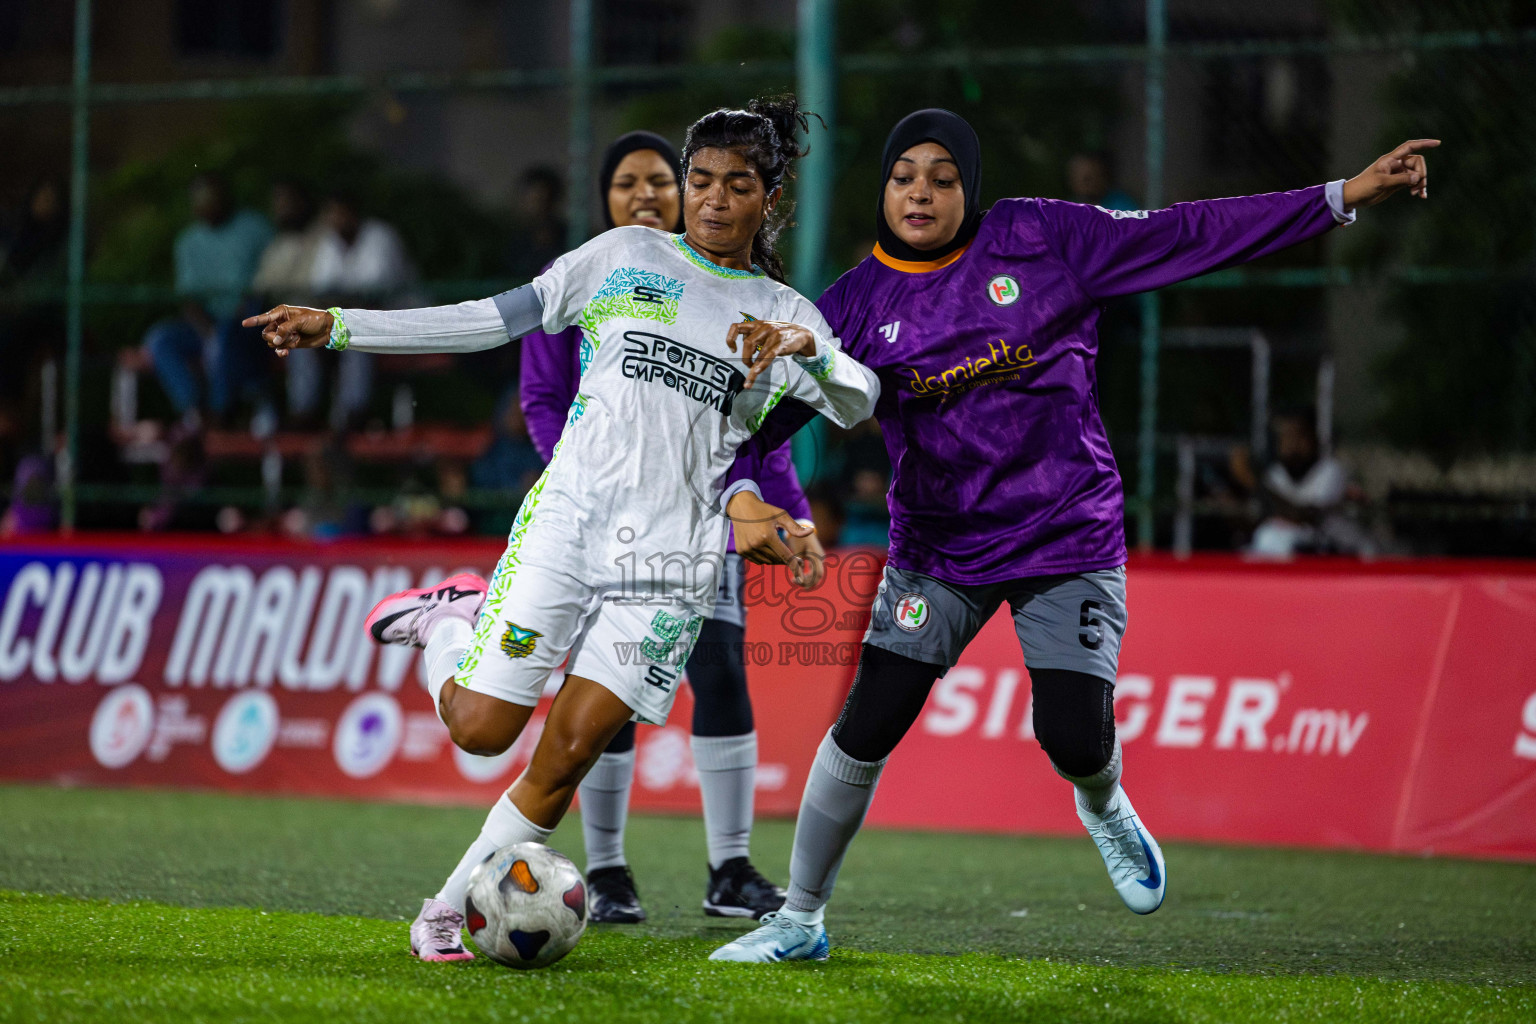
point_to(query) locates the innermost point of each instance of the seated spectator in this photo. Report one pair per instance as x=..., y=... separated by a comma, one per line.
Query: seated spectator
x=1306, y=492
x=216, y=258
x=1091, y=180
x=358, y=261
x=287, y=263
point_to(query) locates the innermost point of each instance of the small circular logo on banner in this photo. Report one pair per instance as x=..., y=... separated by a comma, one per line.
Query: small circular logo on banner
x=911, y=612
x=245, y=730
x=1003, y=290
x=122, y=726
x=367, y=735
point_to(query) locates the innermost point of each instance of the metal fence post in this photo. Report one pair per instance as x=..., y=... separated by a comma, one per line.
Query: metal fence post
x=578, y=198
x=80, y=157
x=1151, y=307
x=816, y=86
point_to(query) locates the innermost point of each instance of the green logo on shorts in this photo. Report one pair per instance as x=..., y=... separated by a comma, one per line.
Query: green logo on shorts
x=675, y=638
x=518, y=642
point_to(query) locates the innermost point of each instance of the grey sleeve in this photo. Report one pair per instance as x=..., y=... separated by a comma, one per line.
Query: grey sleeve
x=467, y=327
x=521, y=310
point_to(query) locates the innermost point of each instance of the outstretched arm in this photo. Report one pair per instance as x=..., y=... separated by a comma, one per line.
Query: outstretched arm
x=1119, y=252
x=467, y=327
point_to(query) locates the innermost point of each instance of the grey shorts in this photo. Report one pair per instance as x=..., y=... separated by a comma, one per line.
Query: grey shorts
x=730, y=594
x=1072, y=622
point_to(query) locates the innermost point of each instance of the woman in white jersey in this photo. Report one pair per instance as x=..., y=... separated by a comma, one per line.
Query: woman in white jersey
x=614, y=555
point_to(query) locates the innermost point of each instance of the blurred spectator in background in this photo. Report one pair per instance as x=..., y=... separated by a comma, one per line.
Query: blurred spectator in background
x=428, y=504
x=32, y=250
x=509, y=463
x=183, y=473
x=32, y=278
x=539, y=234
x=33, y=508
x=1091, y=180
x=285, y=273
x=358, y=261
x=216, y=258
x=1306, y=492
x=827, y=513
x=325, y=513
x=287, y=263
x=867, y=468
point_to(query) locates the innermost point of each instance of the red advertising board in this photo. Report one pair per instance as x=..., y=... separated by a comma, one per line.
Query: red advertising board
x=245, y=667
x=1331, y=704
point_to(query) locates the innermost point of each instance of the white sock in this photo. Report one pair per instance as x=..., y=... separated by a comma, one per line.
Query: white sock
x=504, y=826
x=605, y=809
x=808, y=918
x=727, y=767
x=447, y=644
x=1097, y=791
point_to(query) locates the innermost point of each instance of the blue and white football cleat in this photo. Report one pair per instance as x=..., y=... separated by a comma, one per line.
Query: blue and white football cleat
x=777, y=939
x=1130, y=853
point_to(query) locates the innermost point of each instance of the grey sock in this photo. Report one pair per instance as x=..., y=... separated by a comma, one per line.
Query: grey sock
x=1094, y=792
x=837, y=796
x=727, y=767
x=605, y=809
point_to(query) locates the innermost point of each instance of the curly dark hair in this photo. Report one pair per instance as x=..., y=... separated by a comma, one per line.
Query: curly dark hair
x=764, y=133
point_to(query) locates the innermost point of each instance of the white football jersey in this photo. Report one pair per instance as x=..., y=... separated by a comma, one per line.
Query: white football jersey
x=632, y=494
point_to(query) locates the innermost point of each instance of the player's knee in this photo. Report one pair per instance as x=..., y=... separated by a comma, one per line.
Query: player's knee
x=476, y=735
x=1077, y=753
x=564, y=760
x=1074, y=720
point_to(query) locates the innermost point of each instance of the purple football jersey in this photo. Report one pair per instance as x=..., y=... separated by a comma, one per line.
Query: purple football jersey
x=1001, y=467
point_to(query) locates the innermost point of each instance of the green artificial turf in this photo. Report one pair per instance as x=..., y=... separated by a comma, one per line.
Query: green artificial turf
x=239, y=908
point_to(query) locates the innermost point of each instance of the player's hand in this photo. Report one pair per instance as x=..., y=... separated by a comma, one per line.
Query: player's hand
x=763, y=341
x=289, y=327
x=813, y=561
x=757, y=524
x=1402, y=168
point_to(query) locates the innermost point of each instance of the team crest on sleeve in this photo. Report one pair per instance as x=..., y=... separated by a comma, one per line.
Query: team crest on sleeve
x=912, y=612
x=518, y=642
x=1003, y=290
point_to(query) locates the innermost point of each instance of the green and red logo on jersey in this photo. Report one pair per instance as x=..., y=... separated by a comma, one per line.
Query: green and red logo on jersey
x=1003, y=290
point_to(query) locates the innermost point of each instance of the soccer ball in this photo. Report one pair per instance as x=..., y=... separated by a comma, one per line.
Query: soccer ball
x=526, y=906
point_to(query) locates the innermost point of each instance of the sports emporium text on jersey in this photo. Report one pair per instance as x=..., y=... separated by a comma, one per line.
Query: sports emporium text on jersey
x=703, y=378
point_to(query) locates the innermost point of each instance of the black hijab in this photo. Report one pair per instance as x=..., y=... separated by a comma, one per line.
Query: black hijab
x=621, y=148
x=953, y=133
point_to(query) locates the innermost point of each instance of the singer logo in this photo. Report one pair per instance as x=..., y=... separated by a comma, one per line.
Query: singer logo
x=1182, y=715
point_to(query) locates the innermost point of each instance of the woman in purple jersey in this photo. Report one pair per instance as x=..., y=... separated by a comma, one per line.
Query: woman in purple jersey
x=638, y=184
x=982, y=328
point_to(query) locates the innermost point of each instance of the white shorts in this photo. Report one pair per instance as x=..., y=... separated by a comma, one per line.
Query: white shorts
x=535, y=620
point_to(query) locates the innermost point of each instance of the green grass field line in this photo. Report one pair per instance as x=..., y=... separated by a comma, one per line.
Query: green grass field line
x=63, y=959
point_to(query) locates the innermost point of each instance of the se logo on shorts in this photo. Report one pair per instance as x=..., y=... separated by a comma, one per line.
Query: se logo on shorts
x=911, y=612
x=518, y=642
